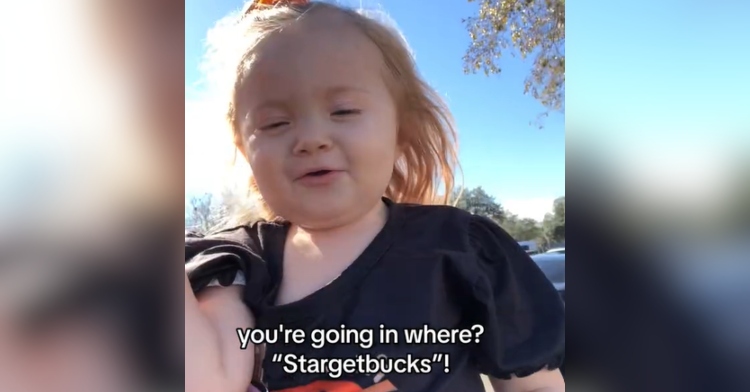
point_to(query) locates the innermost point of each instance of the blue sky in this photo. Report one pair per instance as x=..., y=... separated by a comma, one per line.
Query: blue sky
x=522, y=166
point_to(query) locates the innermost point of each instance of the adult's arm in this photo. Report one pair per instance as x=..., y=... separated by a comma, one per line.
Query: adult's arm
x=213, y=358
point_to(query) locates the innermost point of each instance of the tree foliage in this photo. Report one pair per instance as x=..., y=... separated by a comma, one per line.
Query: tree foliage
x=533, y=28
x=204, y=213
x=549, y=232
x=522, y=229
x=553, y=225
x=478, y=202
x=211, y=212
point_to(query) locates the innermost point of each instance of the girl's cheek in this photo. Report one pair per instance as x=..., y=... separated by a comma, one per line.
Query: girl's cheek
x=373, y=140
x=254, y=149
x=262, y=160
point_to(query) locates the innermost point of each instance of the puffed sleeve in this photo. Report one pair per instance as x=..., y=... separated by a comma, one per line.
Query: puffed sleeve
x=522, y=314
x=225, y=258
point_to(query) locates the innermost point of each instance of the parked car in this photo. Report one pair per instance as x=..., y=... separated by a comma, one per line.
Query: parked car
x=553, y=266
x=529, y=246
x=556, y=250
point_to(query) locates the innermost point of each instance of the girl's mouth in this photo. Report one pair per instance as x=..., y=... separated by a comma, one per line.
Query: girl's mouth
x=318, y=173
x=320, y=178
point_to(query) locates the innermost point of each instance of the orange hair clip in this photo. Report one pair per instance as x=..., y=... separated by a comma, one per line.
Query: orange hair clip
x=270, y=3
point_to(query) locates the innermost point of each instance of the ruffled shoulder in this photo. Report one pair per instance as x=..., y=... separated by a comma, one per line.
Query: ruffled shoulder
x=522, y=314
x=221, y=256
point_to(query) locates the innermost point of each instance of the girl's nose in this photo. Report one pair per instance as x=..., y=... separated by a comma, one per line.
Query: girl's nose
x=312, y=140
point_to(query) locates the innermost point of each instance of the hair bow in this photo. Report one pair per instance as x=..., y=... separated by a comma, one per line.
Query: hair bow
x=270, y=3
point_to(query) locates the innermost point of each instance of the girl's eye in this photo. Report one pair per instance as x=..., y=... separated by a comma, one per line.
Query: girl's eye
x=346, y=112
x=274, y=125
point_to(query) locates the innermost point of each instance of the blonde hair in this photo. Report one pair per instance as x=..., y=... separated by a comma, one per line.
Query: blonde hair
x=426, y=136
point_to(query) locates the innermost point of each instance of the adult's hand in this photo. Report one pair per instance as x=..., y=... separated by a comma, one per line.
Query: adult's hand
x=213, y=358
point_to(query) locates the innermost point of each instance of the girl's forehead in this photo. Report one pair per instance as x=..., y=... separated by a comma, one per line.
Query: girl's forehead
x=324, y=32
x=316, y=51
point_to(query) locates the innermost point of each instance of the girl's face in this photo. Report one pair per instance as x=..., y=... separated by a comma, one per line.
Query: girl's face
x=315, y=101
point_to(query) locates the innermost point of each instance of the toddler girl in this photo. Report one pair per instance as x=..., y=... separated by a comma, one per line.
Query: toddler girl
x=347, y=147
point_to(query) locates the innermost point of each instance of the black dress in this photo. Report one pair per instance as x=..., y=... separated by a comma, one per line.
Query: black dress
x=430, y=265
